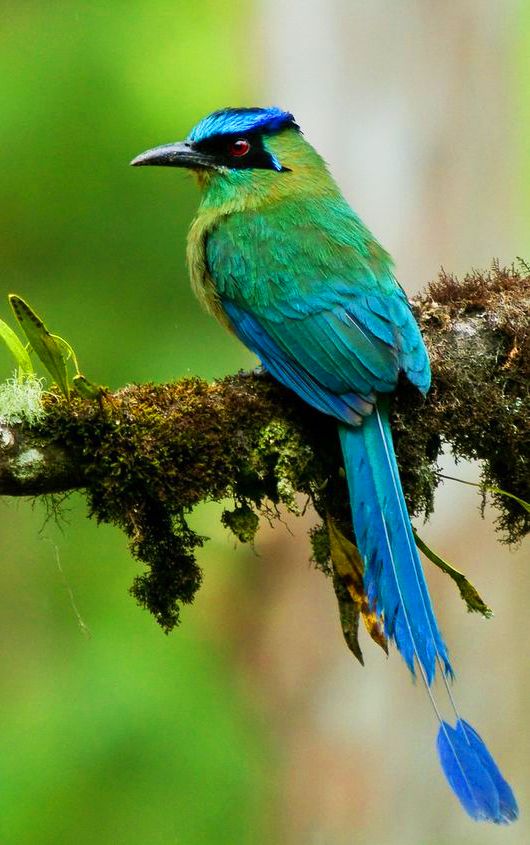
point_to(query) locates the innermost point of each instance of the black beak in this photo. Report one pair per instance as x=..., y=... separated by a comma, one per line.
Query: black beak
x=180, y=154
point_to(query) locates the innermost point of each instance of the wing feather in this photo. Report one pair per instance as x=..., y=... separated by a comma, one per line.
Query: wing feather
x=326, y=300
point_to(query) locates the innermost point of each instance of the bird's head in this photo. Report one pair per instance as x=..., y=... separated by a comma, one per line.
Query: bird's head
x=251, y=153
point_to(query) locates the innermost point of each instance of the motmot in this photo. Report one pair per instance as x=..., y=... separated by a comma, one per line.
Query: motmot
x=277, y=255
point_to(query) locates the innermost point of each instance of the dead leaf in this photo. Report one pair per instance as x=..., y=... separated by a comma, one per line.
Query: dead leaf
x=349, y=569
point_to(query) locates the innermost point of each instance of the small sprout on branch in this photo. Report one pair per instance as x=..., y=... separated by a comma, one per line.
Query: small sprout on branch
x=53, y=351
x=87, y=390
x=48, y=347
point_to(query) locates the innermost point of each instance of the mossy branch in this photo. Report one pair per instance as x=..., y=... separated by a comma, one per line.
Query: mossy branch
x=149, y=453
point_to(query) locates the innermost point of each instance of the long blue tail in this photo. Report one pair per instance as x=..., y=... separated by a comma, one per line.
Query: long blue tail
x=394, y=580
x=396, y=587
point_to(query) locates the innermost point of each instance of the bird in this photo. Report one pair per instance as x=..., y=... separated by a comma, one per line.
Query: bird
x=279, y=257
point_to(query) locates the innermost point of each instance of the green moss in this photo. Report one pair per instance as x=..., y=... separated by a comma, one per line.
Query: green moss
x=21, y=400
x=479, y=343
x=153, y=452
x=282, y=452
x=242, y=521
x=321, y=552
x=26, y=462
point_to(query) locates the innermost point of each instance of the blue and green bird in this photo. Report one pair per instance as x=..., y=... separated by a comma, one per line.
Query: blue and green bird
x=279, y=257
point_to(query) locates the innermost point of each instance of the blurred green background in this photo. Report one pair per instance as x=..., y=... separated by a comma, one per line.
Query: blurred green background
x=250, y=723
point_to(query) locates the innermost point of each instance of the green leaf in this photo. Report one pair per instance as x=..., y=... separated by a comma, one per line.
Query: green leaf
x=46, y=346
x=67, y=349
x=468, y=592
x=87, y=389
x=489, y=489
x=17, y=349
x=522, y=502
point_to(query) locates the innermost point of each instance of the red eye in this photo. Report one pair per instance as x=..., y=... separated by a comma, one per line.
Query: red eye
x=239, y=148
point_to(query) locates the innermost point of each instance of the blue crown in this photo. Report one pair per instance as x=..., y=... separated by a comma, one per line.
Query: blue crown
x=239, y=121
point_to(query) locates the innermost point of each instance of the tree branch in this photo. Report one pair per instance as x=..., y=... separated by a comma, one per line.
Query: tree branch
x=150, y=453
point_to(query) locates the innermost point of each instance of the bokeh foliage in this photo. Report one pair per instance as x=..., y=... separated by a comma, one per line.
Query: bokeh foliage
x=129, y=736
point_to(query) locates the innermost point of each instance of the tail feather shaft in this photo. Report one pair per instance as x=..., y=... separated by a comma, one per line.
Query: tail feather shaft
x=396, y=587
x=394, y=579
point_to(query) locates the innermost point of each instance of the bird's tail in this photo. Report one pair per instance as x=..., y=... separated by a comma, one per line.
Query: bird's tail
x=396, y=588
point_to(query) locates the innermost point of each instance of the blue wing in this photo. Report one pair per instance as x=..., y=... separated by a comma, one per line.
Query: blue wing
x=348, y=406
x=350, y=349
x=324, y=295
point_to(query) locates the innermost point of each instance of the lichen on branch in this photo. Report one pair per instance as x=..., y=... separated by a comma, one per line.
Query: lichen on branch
x=147, y=454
